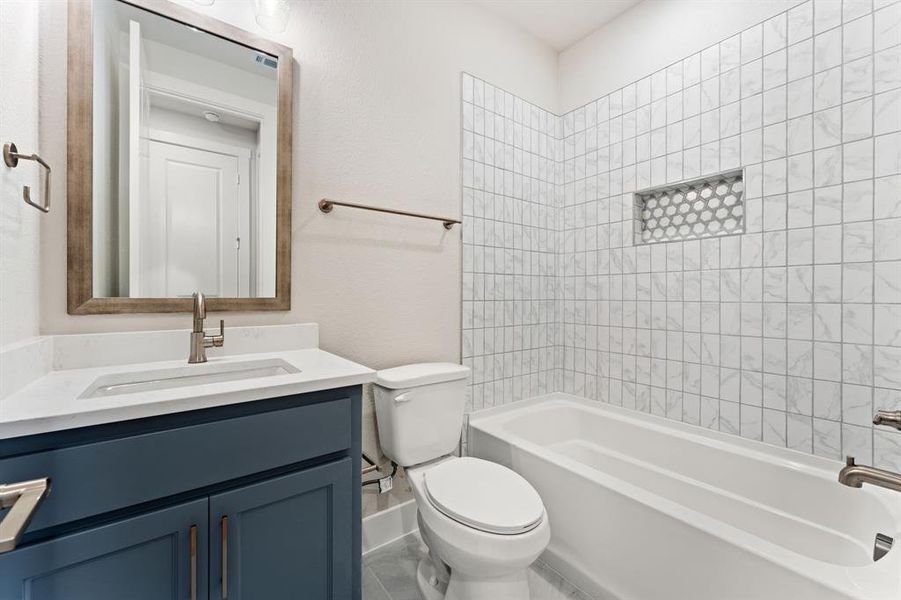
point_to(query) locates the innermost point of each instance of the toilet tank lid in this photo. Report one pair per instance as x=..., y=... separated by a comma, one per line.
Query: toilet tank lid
x=420, y=374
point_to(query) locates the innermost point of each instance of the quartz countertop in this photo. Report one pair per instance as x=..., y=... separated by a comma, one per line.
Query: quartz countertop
x=52, y=400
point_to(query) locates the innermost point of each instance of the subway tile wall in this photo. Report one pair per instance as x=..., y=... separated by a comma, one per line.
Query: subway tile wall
x=789, y=333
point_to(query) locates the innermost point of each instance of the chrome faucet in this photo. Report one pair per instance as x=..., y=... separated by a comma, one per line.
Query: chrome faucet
x=854, y=475
x=891, y=418
x=200, y=341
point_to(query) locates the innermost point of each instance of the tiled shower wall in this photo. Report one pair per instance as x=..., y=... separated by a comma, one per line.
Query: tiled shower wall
x=510, y=308
x=789, y=333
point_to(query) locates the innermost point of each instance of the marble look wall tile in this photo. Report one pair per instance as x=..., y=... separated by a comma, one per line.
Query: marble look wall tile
x=789, y=333
x=886, y=63
x=800, y=22
x=857, y=38
x=827, y=438
x=827, y=88
x=775, y=33
x=826, y=15
x=827, y=51
x=887, y=23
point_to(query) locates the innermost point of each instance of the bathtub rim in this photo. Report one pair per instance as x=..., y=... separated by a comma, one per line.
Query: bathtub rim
x=880, y=579
x=488, y=417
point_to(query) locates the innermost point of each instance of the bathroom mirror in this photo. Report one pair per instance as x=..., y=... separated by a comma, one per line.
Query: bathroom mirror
x=179, y=161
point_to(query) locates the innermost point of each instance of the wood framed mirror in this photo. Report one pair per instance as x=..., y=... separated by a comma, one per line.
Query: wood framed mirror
x=179, y=161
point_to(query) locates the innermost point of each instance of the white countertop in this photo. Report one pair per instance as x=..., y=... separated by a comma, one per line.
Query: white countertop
x=50, y=402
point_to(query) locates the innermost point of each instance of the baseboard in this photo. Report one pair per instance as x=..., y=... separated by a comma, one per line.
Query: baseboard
x=388, y=525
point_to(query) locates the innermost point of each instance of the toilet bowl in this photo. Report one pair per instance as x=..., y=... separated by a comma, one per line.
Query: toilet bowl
x=482, y=522
x=484, y=550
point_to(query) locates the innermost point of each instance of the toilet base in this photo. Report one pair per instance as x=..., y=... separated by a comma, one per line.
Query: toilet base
x=427, y=580
x=514, y=586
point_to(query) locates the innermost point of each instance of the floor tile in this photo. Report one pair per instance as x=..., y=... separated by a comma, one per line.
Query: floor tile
x=372, y=588
x=389, y=573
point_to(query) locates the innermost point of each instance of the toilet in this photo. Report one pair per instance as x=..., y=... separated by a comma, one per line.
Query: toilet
x=483, y=523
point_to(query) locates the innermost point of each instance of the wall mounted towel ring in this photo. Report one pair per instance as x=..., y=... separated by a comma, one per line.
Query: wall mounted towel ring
x=11, y=157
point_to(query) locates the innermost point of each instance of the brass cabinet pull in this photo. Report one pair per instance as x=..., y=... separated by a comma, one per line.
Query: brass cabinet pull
x=223, y=524
x=193, y=562
x=22, y=500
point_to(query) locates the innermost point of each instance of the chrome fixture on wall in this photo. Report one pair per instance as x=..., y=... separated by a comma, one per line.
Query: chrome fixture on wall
x=892, y=418
x=12, y=156
x=326, y=206
x=854, y=475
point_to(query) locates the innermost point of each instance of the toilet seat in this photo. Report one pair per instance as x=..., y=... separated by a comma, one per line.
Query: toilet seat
x=483, y=495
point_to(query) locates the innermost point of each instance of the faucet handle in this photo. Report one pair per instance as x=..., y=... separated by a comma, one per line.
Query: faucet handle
x=219, y=340
x=849, y=461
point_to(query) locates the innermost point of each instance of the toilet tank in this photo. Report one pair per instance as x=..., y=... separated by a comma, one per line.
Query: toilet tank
x=419, y=410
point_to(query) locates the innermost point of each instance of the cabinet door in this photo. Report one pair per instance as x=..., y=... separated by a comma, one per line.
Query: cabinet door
x=287, y=538
x=160, y=555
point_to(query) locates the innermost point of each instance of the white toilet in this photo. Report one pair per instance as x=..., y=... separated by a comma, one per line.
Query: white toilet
x=483, y=523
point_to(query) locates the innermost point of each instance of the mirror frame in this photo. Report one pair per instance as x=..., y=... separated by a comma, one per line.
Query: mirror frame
x=79, y=112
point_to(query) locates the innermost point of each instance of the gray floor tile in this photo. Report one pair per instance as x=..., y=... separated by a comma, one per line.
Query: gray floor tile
x=372, y=588
x=393, y=568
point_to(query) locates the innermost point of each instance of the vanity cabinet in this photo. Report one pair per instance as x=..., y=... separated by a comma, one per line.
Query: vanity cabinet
x=153, y=556
x=248, y=501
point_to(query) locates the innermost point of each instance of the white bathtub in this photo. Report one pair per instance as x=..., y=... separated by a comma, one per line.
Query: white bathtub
x=643, y=508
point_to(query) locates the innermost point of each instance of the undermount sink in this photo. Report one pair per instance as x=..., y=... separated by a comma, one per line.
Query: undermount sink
x=188, y=375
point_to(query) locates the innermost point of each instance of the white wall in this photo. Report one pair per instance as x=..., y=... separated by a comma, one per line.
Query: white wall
x=649, y=37
x=19, y=223
x=377, y=120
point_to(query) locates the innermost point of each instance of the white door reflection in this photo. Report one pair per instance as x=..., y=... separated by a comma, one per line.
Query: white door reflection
x=184, y=170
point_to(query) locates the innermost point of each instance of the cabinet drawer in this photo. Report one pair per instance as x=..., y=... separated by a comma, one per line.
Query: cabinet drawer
x=100, y=477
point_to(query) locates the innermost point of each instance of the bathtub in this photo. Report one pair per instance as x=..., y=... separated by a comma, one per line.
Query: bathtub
x=643, y=508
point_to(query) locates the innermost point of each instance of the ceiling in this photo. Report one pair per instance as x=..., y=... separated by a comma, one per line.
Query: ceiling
x=560, y=23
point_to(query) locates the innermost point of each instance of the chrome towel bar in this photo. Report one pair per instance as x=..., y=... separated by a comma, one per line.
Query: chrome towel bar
x=11, y=157
x=326, y=206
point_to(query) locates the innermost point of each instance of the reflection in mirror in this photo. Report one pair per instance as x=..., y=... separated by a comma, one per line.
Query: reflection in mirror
x=184, y=161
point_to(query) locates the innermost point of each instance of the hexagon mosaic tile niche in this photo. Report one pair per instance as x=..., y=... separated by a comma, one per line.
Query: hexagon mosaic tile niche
x=701, y=208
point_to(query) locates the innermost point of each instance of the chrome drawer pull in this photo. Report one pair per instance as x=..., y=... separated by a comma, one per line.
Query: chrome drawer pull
x=193, y=562
x=223, y=524
x=22, y=500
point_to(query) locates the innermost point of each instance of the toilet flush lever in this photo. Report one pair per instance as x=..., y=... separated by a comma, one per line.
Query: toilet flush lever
x=405, y=397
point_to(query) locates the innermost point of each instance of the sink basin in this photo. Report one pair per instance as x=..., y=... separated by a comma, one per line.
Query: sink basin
x=188, y=375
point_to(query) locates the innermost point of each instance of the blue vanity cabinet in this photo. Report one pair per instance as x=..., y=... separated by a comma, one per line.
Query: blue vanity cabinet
x=284, y=538
x=160, y=555
x=137, y=510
